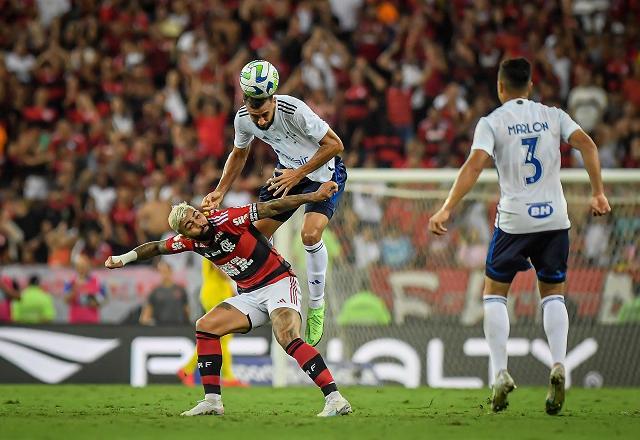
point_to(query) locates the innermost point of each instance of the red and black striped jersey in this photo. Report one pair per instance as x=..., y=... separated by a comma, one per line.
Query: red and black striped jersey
x=237, y=248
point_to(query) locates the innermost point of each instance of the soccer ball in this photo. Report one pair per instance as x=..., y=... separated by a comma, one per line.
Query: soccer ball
x=259, y=79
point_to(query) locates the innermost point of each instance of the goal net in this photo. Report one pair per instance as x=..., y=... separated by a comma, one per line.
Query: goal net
x=408, y=303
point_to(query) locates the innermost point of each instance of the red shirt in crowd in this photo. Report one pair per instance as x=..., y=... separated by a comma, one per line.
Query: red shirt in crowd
x=211, y=135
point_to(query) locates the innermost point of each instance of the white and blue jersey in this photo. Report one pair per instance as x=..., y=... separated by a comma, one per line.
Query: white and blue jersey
x=523, y=137
x=294, y=135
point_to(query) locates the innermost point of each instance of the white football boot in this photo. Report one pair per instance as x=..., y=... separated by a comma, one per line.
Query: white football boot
x=206, y=408
x=555, y=396
x=503, y=385
x=335, y=405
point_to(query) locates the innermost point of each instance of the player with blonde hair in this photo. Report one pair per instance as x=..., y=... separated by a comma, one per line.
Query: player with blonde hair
x=268, y=289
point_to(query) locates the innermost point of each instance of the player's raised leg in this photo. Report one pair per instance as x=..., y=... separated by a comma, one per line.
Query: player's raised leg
x=218, y=322
x=317, y=263
x=556, y=326
x=286, y=323
x=496, y=331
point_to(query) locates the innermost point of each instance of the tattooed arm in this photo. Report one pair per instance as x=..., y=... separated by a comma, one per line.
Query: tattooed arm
x=143, y=252
x=284, y=204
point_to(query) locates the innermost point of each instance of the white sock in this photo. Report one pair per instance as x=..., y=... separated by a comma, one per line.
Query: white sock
x=496, y=330
x=556, y=325
x=317, y=262
x=213, y=397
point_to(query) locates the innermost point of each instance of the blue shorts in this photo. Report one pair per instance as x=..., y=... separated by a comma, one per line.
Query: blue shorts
x=306, y=185
x=547, y=251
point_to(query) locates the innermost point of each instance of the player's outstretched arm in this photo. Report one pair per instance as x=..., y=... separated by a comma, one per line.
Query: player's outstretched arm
x=284, y=204
x=467, y=177
x=232, y=169
x=142, y=252
x=583, y=143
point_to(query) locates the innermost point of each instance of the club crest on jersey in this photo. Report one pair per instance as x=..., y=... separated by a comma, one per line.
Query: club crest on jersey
x=540, y=210
x=226, y=245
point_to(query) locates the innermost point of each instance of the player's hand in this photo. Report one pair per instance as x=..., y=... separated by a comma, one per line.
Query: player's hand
x=326, y=190
x=437, y=221
x=283, y=180
x=600, y=205
x=110, y=264
x=212, y=201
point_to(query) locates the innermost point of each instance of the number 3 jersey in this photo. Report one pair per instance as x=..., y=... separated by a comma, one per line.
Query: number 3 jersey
x=237, y=248
x=523, y=137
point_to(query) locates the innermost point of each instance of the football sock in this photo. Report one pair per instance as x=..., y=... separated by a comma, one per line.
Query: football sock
x=556, y=325
x=312, y=363
x=496, y=330
x=209, y=361
x=317, y=262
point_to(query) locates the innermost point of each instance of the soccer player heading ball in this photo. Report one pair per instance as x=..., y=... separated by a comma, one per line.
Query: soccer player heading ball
x=532, y=226
x=268, y=289
x=307, y=150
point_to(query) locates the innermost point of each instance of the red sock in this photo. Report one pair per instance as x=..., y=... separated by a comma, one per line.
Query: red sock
x=312, y=363
x=209, y=361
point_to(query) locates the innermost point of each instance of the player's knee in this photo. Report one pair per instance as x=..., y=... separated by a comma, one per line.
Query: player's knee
x=311, y=236
x=201, y=324
x=208, y=324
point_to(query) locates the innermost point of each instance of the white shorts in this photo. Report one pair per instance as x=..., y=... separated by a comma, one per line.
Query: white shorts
x=258, y=304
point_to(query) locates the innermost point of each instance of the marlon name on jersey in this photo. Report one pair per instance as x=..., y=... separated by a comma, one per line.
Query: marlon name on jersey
x=525, y=128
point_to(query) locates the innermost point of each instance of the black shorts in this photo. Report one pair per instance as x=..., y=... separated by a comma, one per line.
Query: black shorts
x=306, y=185
x=547, y=251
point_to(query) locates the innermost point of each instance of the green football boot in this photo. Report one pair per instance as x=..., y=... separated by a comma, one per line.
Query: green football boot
x=315, y=326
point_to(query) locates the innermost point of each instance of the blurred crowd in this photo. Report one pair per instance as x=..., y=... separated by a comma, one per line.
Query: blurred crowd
x=112, y=110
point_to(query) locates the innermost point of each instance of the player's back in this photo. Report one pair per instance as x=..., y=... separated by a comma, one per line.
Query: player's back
x=524, y=139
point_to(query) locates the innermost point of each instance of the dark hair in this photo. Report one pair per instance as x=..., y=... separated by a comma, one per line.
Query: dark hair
x=255, y=103
x=34, y=280
x=515, y=73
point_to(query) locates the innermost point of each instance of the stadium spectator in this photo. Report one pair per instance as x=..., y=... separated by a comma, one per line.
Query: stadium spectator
x=168, y=303
x=84, y=294
x=587, y=101
x=9, y=292
x=35, y=305
x=100, y=103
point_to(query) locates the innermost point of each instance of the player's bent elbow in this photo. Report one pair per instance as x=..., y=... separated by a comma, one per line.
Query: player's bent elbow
x=338, y=146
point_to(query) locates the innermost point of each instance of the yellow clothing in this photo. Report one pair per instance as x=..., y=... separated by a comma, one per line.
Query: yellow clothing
x=216, y=287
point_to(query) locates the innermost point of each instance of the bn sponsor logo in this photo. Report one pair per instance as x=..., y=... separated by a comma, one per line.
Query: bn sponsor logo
x=540, y=210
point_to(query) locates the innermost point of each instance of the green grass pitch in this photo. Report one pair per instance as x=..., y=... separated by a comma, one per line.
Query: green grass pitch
x=118, y=412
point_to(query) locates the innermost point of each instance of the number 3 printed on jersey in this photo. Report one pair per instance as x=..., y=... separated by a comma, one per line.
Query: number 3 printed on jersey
x=531, y=159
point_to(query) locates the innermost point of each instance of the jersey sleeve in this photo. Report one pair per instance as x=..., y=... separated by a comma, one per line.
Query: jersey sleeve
x=242, y=137
x=567, y=125
x=483, y=138
x=310, y=123
x=235, y=220
x=178, y=243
